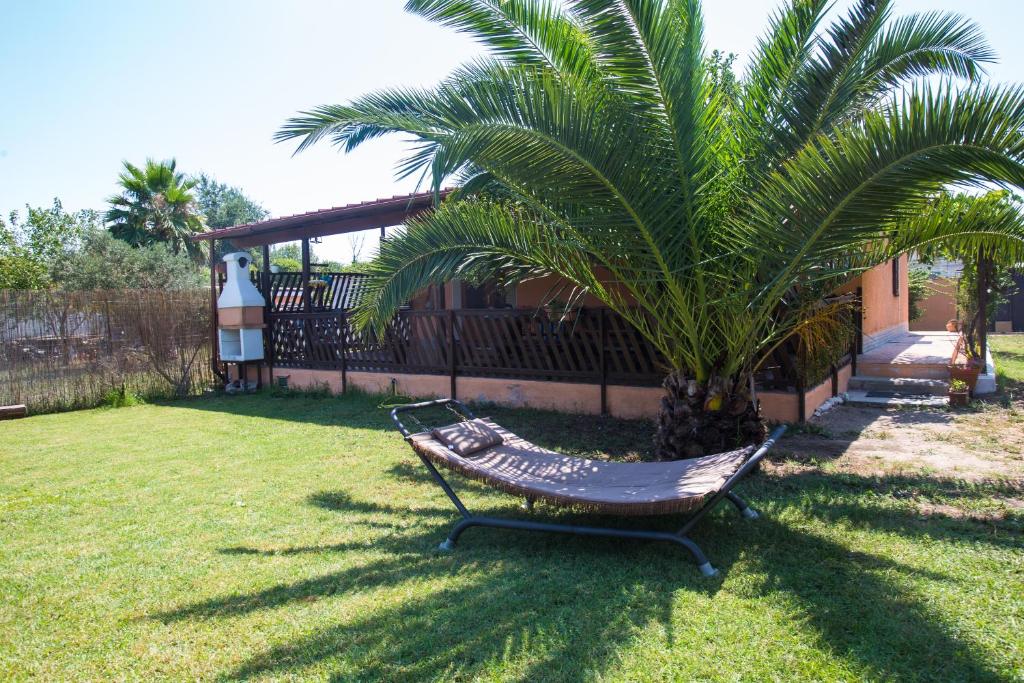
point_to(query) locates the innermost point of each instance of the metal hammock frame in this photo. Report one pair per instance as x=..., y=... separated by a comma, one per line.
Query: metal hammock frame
x=680, y=537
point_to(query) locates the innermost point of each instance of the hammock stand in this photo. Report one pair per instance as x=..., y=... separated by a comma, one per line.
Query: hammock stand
x=518, y=467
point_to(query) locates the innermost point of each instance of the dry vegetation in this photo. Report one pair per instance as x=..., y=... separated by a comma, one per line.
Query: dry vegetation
x=982, y=446
x=64, y=350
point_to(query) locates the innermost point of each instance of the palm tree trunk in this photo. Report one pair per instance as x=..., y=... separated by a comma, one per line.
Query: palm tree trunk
x=701, y=418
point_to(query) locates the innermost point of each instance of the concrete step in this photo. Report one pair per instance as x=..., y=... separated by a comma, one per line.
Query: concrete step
x=907, y=370
x=899, y=385
x=880, y=399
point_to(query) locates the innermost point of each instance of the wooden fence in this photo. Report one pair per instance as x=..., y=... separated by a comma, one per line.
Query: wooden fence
x=65, y=350
x=597, y=346
x=329, y=291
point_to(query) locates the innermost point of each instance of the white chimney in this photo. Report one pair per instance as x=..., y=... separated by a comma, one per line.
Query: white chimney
x=238, y=289
x=240, y=313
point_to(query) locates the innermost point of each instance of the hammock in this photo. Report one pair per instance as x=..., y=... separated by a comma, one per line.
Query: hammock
x=484, y=451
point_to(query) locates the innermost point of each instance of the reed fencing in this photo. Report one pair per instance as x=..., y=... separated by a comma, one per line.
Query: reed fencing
x=66, y=350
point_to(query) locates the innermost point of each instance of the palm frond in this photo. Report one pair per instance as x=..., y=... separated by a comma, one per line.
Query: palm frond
x=928, y=44
x=592, y=145
x=470, y=240
x=962, y=224
x=816, y=219
x=832, y=78
x=535, y=33
x=775, y=66
x=864, y=57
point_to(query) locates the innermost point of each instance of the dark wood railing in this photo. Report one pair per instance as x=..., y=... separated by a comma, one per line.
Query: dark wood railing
x=597, y=346
x=329, y=291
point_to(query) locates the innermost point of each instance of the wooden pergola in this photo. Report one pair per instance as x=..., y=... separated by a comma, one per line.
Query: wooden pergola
x=340, y=220
x=377, y=214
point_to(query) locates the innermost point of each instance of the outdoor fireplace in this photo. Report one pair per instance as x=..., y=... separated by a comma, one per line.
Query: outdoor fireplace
x=239, y=313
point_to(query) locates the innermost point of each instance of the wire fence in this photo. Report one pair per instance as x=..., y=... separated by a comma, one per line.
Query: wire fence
x=66, y=350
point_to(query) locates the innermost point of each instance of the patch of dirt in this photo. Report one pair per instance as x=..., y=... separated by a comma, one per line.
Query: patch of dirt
x=973, y=446
x=915, y=450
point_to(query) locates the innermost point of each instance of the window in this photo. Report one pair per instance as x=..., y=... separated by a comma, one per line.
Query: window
x=487, y=295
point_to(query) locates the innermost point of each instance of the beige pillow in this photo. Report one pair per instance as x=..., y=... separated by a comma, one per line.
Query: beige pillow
x=466, y=438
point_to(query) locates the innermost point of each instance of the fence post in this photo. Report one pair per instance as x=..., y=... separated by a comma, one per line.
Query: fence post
x=858, y=322
x=307, y=300
x=801, y=400
x=983, y=272
x=214, y=341
x=110, y=333
x=801, y=382
x=602, y=332
x=268, y=307
x=451, y=352
x=343, y=318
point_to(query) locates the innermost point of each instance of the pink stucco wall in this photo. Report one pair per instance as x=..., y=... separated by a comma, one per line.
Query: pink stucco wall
x=623, y=401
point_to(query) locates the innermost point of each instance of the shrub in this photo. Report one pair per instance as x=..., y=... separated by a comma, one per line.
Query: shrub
x=958, y=386
x=121, y=398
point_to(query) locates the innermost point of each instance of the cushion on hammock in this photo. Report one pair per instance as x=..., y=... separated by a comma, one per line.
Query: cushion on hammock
x=466, y=438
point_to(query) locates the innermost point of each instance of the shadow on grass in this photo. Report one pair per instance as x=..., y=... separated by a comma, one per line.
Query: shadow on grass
x=813, y=441
x=911, y=505
x=590, y=435
x=540, y=606
x=537, y=606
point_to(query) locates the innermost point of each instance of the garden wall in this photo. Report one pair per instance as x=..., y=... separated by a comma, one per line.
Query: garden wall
x=938, y=308
x=623, y=401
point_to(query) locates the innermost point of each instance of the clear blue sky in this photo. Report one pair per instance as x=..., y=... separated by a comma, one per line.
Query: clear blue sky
x=86, y=84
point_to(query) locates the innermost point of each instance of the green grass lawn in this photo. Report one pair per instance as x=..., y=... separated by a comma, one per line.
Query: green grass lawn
x=1008, y=352
x=294, y=538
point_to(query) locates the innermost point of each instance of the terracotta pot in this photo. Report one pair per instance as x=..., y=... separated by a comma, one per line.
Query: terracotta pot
x=968, y=373
x=958, y=399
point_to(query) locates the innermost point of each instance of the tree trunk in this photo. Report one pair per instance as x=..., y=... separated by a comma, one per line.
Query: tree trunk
x=698, y=419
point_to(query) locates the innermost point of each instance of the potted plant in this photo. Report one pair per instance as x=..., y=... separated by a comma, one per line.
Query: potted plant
x=559, y=311
x=966, y=372
x=952, y=325
x=959, y=393
x=969, y=347
x=967, y=361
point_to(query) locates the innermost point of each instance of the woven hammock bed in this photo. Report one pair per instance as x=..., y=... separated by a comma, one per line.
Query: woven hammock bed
x=482, y=450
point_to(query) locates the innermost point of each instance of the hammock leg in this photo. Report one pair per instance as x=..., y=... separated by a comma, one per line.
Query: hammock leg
x=453, y=535
x=703, y=564
x=741, y=505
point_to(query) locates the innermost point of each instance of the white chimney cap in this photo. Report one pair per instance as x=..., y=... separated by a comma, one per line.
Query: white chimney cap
x=238, y=288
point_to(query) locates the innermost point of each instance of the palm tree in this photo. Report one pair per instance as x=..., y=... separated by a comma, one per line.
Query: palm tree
x=595, y=144
x=156, y=205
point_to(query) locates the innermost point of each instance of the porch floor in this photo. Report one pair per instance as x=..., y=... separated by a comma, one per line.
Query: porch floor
x=918, y=355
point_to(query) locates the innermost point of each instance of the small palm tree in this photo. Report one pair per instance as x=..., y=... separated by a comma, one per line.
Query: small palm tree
x=156, y=205
x=597, y=144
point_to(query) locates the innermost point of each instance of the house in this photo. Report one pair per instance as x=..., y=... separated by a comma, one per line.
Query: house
x=484, y=343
